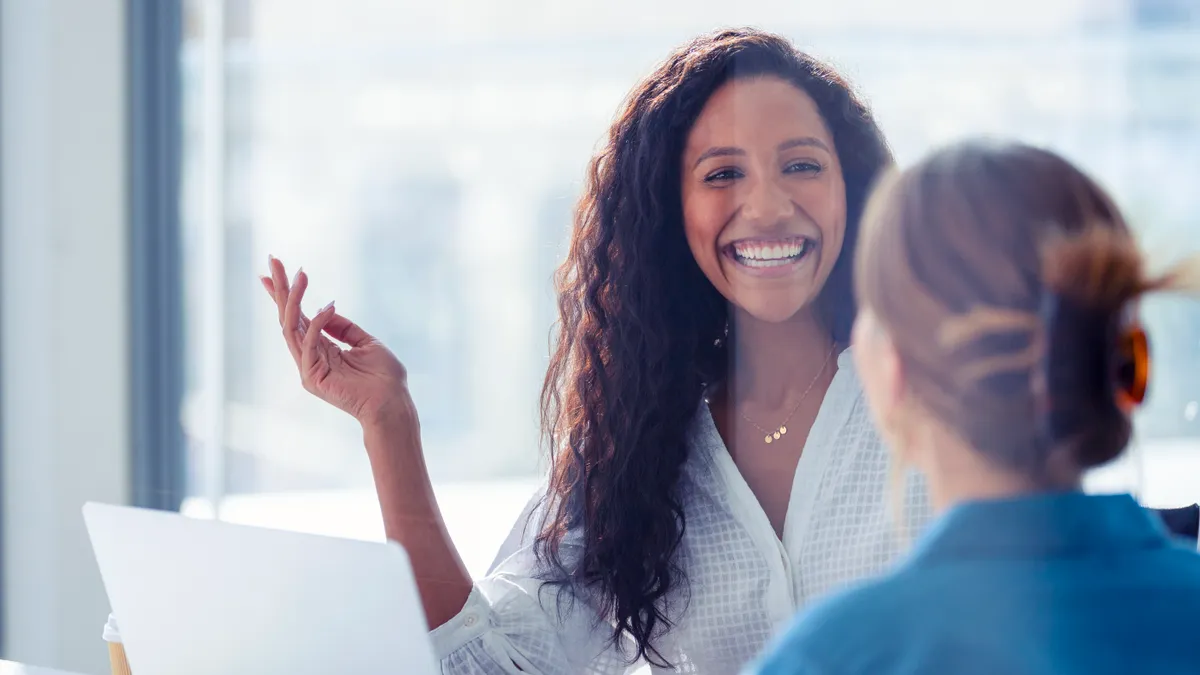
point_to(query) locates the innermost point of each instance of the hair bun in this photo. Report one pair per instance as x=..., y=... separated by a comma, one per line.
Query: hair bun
x=1096, y=357
x=1091, y=380
x=1079, y=366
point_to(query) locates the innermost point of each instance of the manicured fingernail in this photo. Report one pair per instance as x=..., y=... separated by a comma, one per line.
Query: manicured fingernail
x=296, y=276
x=326, y=308
x=270, y=259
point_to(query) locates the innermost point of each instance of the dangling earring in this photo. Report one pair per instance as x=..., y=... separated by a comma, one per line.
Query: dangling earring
x=720, y=341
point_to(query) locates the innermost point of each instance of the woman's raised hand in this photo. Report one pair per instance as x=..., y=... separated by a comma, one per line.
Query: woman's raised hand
x=364, y=379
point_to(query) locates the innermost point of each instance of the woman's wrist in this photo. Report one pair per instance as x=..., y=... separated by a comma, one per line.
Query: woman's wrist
x=393, y=444
x=397, y=412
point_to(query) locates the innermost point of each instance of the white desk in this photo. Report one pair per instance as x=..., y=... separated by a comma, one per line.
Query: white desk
x=10, y=668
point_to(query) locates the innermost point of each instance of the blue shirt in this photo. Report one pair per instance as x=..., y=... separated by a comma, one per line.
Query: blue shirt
x=1051, y=584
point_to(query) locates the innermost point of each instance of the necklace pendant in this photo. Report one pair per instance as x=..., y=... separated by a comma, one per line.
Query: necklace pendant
x=781, y=431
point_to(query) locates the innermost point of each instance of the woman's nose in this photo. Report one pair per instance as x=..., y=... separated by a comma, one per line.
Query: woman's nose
x=767, y=203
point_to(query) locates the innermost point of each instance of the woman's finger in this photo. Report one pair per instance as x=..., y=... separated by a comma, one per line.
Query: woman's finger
x=314, y=362
x=292, y=313
x=292, y=325
x=270, y=286
x=279, y=282
x=347, y=332
x=281, y=294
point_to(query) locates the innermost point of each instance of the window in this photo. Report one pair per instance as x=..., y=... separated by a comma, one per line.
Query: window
x=554, y=220
x=421, y=161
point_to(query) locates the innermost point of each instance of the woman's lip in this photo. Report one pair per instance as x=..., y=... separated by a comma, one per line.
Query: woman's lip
x=770, y=240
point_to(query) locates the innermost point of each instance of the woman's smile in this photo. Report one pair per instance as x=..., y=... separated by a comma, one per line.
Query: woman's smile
x=771, y=257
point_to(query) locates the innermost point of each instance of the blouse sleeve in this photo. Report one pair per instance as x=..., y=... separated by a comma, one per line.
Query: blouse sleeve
x=515, y=624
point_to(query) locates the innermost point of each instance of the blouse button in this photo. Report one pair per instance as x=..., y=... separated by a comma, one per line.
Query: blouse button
x=470, y=620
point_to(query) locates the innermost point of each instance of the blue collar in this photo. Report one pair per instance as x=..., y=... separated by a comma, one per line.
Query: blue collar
x=1061, y=524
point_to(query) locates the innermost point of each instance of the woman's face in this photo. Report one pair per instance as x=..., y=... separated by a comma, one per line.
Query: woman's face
x=764, y=202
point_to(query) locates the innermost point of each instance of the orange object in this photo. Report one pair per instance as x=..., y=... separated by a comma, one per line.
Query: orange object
x=1133, y=373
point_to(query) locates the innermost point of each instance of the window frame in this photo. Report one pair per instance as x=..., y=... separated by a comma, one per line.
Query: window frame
x=158, y=452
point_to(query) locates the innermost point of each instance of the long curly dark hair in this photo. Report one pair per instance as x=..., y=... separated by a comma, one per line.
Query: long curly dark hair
x=638, y=327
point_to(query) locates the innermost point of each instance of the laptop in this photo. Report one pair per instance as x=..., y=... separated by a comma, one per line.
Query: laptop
x=199, y=597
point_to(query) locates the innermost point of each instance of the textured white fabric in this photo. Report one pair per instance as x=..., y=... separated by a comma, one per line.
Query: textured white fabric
x=744, y=583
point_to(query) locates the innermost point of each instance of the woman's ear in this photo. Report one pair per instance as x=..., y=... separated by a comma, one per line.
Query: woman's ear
x=893, y=389
x=878, y=365
x=882, y=374
x=892, y=371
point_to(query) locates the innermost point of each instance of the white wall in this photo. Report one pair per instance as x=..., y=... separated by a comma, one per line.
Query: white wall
x=63, y=317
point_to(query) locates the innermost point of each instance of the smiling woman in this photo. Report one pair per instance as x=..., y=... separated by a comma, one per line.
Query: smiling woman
x=698, y=418
x=764, y=201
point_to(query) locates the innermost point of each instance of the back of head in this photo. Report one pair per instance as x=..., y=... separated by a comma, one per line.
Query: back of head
x=1006, y=278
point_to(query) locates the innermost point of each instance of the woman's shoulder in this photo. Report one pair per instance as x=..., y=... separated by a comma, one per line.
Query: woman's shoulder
x=854, y=631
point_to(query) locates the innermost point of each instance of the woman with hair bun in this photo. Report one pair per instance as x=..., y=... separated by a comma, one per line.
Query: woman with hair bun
x=999, y=348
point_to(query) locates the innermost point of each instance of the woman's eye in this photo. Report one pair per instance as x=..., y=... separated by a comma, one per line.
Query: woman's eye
x=722, y=175
x=803, y=166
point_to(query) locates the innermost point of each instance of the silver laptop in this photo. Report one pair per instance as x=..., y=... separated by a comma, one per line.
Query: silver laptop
x=203, y=597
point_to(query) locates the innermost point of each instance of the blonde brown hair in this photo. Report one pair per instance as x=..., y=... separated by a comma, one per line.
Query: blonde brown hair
x=1005, y=277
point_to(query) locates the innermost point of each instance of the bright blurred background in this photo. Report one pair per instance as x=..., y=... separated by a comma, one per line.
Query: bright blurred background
x=421, y=160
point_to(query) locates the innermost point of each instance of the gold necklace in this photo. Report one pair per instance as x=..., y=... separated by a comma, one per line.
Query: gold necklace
x=772, y=436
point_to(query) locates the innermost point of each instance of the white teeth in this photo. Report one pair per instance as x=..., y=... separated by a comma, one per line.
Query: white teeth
x=770, y=255
x=750, y=262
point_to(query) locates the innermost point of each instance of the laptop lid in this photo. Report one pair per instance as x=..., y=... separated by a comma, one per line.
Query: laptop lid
x=203, y=597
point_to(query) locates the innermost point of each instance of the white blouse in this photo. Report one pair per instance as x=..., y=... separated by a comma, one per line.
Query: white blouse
x=744, y=583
